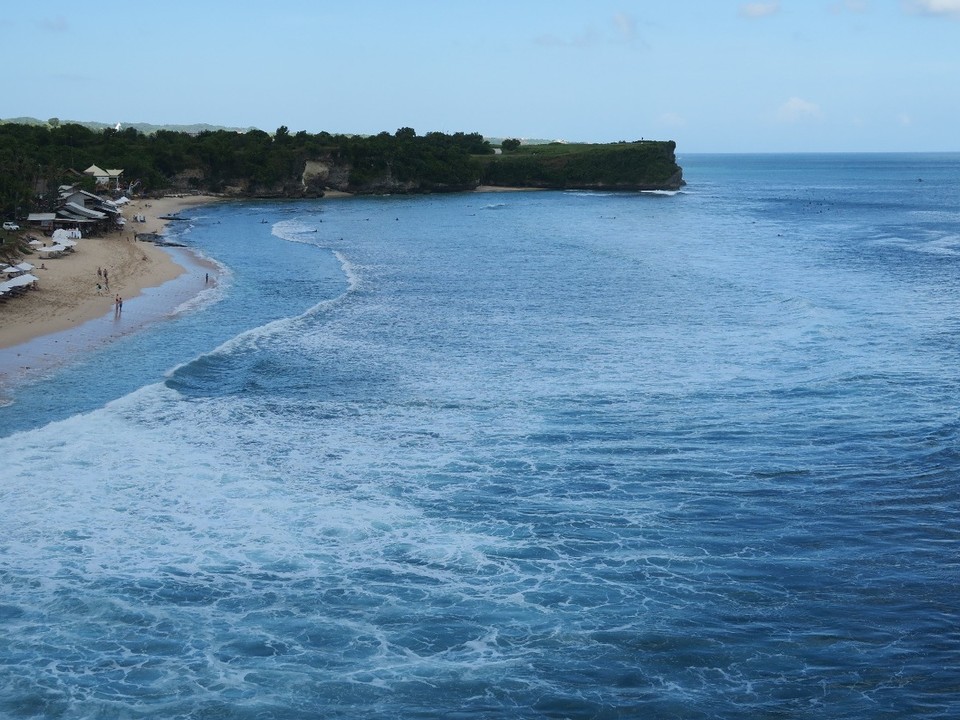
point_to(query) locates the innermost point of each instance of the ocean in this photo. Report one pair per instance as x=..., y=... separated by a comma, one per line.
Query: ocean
x=512, y=455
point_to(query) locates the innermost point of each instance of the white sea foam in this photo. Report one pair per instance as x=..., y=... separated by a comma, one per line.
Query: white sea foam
x=495, y=467
x=942, y=245
x=298, y=230
x=928, y=242
x=210, y=295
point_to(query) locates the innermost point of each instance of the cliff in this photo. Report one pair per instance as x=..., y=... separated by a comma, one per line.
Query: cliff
x=642, y=165
x=35, y=160
x=621, y=171
x=332, y=173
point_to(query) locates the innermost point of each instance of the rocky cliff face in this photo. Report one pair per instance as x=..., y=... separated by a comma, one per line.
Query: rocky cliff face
x=320, y=174
x=329, y=174
x=606, y=168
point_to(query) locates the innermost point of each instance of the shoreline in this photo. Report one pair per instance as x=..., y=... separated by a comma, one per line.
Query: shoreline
x=38, y=329
x=66, y=314
x=338, y=194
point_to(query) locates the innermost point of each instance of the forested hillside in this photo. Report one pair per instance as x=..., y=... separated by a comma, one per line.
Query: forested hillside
x=35, y=160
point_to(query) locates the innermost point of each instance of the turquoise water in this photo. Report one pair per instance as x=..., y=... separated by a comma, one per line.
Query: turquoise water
x=551, y=454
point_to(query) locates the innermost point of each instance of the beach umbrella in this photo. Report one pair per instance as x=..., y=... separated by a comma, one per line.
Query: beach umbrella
x=36, y=243
x=20, y=281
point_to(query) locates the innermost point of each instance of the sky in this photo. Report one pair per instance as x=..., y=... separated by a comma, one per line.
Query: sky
x=713, y=75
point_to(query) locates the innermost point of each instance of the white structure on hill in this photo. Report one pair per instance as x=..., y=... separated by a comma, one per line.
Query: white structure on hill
x=104, y=177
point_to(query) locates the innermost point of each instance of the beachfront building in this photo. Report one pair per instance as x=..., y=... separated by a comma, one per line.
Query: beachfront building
x=104, y=177
x=45, y=221
x=77, y=209
x=81, y=210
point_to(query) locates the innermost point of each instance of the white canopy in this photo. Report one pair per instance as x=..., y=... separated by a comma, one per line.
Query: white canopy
x=24, y=279
x=53, y=249
x=18, y=281
x=14, y=269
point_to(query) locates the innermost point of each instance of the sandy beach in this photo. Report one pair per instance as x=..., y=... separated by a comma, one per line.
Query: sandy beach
x=67, y=295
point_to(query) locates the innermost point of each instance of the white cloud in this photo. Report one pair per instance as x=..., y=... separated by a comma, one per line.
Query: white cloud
x=854, y=6
x=933, y=7
x=759, y=9
x=587, y=38
x=797, y=110
x=57, y=24
x=672, y=119
x=622, y=29
x=626, y=26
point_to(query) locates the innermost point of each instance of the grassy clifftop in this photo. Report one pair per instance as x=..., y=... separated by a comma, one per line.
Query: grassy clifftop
x=641, y=165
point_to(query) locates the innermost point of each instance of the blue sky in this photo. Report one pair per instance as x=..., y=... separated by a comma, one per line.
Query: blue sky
x=714, y=75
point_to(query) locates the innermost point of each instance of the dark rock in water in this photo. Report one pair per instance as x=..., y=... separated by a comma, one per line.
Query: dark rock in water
x=157, y=239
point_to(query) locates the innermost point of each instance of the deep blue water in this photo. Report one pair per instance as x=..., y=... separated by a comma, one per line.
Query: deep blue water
x=517, y=455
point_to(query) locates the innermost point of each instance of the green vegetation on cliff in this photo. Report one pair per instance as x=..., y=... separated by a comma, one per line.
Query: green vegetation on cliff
x=36, y=159
x=641, y=165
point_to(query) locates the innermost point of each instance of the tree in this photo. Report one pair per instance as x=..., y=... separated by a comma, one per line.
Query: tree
x=510, y=144
x=53, y=122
